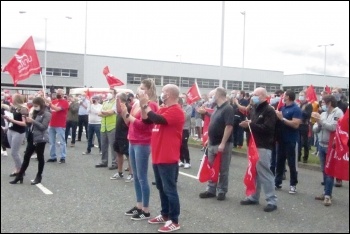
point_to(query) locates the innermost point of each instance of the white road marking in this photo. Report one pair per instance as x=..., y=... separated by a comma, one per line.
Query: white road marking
x=44, y=189
x=185, y=174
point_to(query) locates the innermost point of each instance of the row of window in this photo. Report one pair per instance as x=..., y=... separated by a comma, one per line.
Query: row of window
x=61, y=72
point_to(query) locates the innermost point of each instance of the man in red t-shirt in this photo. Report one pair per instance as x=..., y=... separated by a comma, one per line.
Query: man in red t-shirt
x=165, y=144
x=59, y=108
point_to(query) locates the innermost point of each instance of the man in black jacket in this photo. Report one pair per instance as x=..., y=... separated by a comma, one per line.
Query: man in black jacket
x=306, y=109
x=262, y=123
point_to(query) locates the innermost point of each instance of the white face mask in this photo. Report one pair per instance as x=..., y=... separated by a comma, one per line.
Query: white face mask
x=233, y=95
x=301, y=98
x=162, y=96
x=37, y=108
x=109, y=96
x=30, y=101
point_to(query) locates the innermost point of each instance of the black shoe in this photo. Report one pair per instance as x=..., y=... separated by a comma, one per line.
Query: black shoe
x=221, y=196
x=37, y=180
x=141, y=216
x=113, y=167
x=62, y=160
x=154, y=183
x=100, y=165
x=206, y=194
x=248, y=202
x=14, y=174
x=133, y=211
x=278, y=186
x=18, y=178
x=52, y=160
x=322, y=183
x=270, y=208
x=338, y=183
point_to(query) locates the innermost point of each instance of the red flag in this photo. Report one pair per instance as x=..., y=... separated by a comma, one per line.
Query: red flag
x=327, y=89
x=207, y=172
x=24, y=63
x=193, y=94
x=280, y=103
x=206, y=125
x=311, y=94
x=342, y=135
x=250, y=175
x=112, y=80
x=88, y=94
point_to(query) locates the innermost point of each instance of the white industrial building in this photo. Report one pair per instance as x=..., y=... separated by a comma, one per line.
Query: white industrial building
x=66, y=70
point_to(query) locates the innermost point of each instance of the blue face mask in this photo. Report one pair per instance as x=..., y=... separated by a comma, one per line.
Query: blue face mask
x=325, y=108
x=273, y=101
x=337, y=96
x=301, y=98
x=255, y=100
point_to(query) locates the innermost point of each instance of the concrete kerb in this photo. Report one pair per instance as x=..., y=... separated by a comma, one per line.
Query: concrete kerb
x=314, y=167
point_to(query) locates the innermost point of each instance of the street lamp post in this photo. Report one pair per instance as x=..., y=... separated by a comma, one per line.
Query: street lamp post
x=45, y=50
x=325, y=57
x=243, y=13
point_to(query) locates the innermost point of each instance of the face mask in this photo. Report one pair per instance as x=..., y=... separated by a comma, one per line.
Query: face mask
x=184, y=102
x=324, y=108
x=301, y=98
x=2, y=98
x=337, y=96
x=255, y=100
x=37, y=108
x=109, y=96
x=30, y=101
x=162, y=96
x=58, y=96
x=238, y=96
x=273, y=101
x=233, y=95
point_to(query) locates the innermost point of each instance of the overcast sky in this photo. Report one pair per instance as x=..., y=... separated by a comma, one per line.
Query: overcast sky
x=281, y=36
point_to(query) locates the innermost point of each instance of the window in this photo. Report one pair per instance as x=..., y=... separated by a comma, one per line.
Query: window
x=187, y=82
x=137, y=78
x=61, y=72
x=248, y=86
x=207, y=83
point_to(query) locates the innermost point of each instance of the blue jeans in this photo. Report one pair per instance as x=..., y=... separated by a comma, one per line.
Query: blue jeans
x=165, y=176
x=139, y=156
x=94, y=128
x=322, y=152
x=61, y=137
x=286, y=151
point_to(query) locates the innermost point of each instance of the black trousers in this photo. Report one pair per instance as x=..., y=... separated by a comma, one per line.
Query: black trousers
x=39, y=148
x=184, y=152
x=83, y=122
x=303, y=142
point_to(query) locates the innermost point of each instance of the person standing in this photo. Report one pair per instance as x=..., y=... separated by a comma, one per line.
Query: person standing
x=262, y=123
x=72, y=119
x=108, y=123
x=17, y=128
x=220, y=140
x=238, y=133
x=306, y=110
x=166, y=141
x=59, y=109
x=325, y=124
x=290, y=115
x=94, y=124
x=83, y=116
x=37, y=138
x=184, y=152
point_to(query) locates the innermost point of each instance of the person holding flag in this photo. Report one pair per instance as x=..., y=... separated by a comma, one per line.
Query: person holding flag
x=220, y=140
x=325, y=125
x=262, y=124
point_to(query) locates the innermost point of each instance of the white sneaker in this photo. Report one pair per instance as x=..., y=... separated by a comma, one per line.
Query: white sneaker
x=34, y=156
x=116, y=176
x=187, y=166
x=4, y=153
x=69, y=137
x=129, y=179
x=96, y=146
x=293, y=190
x=181, y=164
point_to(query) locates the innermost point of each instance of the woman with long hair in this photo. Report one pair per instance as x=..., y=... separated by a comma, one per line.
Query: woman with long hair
x=37, y=138
x=139, y=136
x=17, y=128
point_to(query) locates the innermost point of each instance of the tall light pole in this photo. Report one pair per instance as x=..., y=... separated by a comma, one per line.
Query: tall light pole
x=325, y=57
x=222, y=41
x=179, y=56
x=86, y=11
x=45, y=50
x=243, y=13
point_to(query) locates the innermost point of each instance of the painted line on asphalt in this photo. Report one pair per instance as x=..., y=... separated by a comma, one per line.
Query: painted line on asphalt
x=44, y=189
x=185, y=174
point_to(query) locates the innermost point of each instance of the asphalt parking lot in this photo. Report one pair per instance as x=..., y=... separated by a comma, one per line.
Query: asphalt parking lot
x=84, y=199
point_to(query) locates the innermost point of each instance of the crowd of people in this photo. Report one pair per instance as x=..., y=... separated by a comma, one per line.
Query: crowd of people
x=143, y=125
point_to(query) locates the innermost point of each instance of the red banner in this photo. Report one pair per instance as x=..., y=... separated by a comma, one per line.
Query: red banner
x=250, y=175
x=112, y=80
x=327, y=89
x=24, y=63
x=207, y=172
x=193, y=94
x=311, y=94
x=280, y=103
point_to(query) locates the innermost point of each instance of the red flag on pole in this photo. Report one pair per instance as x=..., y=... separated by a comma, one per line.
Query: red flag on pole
x=327, y=89
x=250, y=175
x=193, y=94
x=311, y=94
x=342, y=135
x=24, y=63
x=112, y=80
x=206, y=125
x=280, y=103
x=207, y=172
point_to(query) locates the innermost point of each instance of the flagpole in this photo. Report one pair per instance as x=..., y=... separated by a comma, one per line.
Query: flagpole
x=42, y=83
